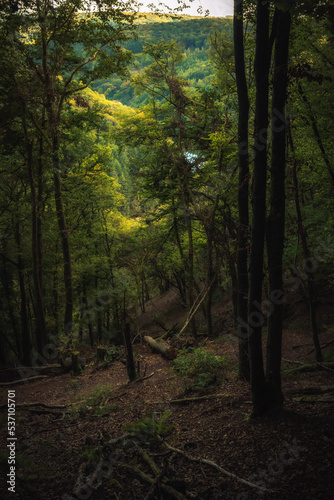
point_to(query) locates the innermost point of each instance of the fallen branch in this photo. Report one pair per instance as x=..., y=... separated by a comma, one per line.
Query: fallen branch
x=200, y=398
x=141, y=378
x=148, y=479
x=323, y=346
x=47, y=412
x=313, y=367
x=217, y=467
x=292, y=361
x=27, y=405
x=22, y=380
x=195, y=306
x=324, y=366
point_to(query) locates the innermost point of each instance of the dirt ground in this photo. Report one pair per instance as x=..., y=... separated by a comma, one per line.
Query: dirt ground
x=65, y=452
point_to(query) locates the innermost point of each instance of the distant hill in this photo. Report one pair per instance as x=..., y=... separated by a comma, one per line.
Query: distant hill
x=192, y=33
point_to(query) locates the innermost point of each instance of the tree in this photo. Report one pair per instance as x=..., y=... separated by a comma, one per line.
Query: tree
x=266, y=387
x=73, y=45
x=259, y=183
x=276, y=219
x=243, y=226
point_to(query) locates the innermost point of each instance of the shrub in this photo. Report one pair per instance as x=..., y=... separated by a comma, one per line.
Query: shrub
x=150, y=427
x=198, y=368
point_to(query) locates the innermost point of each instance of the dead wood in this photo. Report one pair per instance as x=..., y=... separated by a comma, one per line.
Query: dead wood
x=150, y=480
x=313, y=367
x=161, y=347
x=217, y=467
x=292, y=361
x=22, y=380
x=43, y=405
x=323, y=346
x=141, y=378
x=325, y=367
x=200, y=398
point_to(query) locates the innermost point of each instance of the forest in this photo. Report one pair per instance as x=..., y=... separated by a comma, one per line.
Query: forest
x=167, y=189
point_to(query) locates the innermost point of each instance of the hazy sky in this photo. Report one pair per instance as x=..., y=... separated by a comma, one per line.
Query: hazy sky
x=217, y=8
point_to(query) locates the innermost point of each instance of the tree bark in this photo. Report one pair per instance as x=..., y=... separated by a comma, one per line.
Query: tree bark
x=40, y=326
x=311, y=292
x=255, y=317
x=25, y=333
x=316, y=132
x=63, y=237
x=243, y=226
x=276, y=218
x=130, y=363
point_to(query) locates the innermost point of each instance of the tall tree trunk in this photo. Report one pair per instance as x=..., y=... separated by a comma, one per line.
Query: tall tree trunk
x=63, y=236
x=190, y=272
x=25, y=334
x=243, y=227
x=311, y=291
x=6, y=281
x=255, y=317
x=276, y=218
x=210, y=278
x=40, y=326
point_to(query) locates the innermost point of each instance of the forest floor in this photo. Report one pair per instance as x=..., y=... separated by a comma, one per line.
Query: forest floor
x=69, y=448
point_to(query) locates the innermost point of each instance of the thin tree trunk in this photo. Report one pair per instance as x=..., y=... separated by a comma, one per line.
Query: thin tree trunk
x=8, y=294
x=243, y=227
x=63, y=237
x=26, y=343
x=311, y=292
x=190, y=273
x=316, y=133
x=276, y=218
x=255, y=317
x=130, y=363
x=209, y=282
x=40, y=326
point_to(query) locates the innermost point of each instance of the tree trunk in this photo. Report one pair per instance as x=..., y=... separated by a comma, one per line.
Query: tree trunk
x=26, y=343
x=316, y=133
x=130, y=363
x=255, y=317
x=40, y=326
x=210, y=276
x=63, y=237
x=243, y=227
x=276, y=219
x=311, y=292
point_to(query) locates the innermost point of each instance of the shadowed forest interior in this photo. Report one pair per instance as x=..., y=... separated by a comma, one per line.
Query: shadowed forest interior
x=167, y=251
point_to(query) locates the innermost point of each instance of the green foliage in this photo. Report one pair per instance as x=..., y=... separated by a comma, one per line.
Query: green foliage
x=68, y=346
x=91, y=454
x=191, y=34
x=199, y=368
x=96, y=403
x=151, y=427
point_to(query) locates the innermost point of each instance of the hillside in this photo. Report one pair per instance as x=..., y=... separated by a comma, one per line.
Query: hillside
x=192, y=34
x=79, y=427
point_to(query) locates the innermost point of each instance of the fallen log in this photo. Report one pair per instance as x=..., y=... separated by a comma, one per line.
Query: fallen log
x=161, y=347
